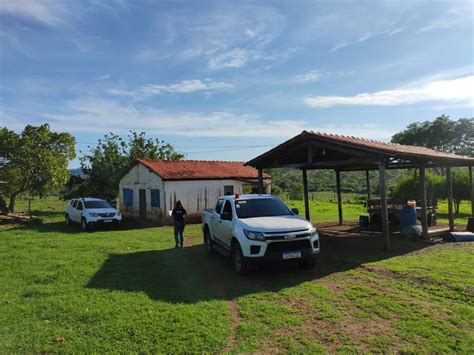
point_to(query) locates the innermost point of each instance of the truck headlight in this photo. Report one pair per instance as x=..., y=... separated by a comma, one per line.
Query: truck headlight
x=313, y=232
x=93, y=214
x=254, y=235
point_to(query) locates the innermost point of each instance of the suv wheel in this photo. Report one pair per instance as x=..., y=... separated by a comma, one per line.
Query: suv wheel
x=84, y=224
x=208, y=242
x=240, y=266
x=67, y=220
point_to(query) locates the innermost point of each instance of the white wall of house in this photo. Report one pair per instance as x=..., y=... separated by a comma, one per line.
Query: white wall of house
x=195, y=195
x=139, y=177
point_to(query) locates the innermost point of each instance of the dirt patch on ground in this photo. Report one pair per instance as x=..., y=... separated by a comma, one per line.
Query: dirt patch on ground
x=332, y=333
x=235, y=322
x=379, y=270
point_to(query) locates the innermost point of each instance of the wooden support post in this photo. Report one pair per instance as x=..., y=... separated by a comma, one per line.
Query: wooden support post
x=449, y=182
x=367, y=180
x=384, y=206
x=424, y=215
x=339, y=198
x=260, y=181
x=305, y=190
x=472, y=191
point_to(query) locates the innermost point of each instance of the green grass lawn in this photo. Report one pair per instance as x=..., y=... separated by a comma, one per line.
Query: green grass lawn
x=326, y=210
x=130, y=291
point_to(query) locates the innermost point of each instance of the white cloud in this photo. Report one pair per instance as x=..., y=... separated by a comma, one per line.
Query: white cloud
x=102, y=77
x=225, y=36
x=366, y=37
x=338, y=46
x=234, y=58
x=49, y=12
x=457, y=90
x=99, y=115
x=312, y=75
x=459, y=14
x=184, y=87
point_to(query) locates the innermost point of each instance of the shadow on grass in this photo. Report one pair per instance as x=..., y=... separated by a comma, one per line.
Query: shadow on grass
x=190, y=275
x=60, y=226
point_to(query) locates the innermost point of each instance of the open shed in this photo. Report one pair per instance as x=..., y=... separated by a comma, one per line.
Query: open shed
x=315, y=150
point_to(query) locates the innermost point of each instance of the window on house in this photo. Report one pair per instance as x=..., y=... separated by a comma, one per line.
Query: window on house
x=228, y=190
x=128, y=197
x=155, y=198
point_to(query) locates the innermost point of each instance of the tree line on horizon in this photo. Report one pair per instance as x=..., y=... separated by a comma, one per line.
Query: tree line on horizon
x=35, y=163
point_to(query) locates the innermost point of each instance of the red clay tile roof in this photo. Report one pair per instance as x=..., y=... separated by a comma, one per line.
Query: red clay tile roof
x=391, y=148
x=201, y=170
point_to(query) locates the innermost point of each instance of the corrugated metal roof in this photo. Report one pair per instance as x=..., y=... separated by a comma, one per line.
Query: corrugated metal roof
x=201, y=169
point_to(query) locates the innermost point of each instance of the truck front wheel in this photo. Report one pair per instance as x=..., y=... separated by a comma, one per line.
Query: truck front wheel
x=238, y=260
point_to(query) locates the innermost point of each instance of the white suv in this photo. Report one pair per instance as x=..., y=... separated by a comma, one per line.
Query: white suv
x=91, y=211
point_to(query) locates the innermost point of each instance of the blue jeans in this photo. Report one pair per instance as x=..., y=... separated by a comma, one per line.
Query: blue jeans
x=178, y=232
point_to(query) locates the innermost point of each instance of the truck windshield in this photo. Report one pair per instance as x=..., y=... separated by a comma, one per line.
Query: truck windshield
x=261, y=207
x=96, y=204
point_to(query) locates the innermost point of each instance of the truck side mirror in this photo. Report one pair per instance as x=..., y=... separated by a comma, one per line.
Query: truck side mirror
x=295, y=211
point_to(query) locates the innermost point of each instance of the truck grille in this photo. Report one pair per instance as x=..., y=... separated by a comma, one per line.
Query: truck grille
x=287, y=232
x=105, y=215
x=289, y=246
x=282, y=237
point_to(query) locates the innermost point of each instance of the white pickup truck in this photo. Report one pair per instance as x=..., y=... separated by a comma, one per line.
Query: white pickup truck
x=257, y=228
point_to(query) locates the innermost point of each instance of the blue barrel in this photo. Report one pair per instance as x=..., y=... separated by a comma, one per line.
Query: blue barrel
x=407, y=216
x=364, y=221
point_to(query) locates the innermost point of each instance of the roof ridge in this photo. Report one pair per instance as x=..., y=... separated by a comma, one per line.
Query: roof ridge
x=192, y=160
x=352, y=137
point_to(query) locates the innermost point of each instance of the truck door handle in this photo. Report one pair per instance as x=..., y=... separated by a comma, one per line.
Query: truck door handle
x=220, y=221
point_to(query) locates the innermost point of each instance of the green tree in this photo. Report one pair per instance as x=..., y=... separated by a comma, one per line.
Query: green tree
x=441, y=134
x=107, y=162
x=408, y=186
x=34, y=161
x=295, y=190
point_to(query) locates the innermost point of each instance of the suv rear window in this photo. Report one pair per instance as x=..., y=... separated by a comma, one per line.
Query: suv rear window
x=73, y=203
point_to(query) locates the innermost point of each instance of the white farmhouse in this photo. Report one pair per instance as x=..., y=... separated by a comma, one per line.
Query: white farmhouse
x=150, y=189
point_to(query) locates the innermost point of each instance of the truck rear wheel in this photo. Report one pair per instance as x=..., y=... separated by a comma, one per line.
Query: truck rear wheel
x=240, y=265
x=208, y=242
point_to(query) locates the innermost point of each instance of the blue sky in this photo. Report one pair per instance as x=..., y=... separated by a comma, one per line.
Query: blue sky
x=214, y=77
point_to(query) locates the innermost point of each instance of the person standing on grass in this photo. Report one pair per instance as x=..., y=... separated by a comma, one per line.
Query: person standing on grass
x=178, y=213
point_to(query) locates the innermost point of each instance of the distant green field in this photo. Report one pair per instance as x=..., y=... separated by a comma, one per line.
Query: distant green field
x=129, y=290
x=323, y=207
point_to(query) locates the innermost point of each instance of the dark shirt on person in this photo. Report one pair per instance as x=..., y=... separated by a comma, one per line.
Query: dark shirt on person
x=178, y=214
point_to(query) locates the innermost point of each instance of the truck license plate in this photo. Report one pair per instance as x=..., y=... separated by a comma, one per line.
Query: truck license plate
x=292, y=255
x=108, y=220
